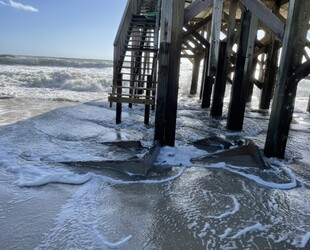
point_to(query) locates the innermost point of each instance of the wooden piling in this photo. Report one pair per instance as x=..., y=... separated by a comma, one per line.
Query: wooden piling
x=119, y=94
x=215, y=35
x=308, y=107
x=148, y=93
x=172, y=18
x=285, y=92
x=208, y=80
x=220, y=84
x=271, y=67
x=242, y=72
x=195, y=75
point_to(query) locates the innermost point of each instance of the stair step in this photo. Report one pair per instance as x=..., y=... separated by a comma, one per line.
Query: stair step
x=139, y=49
x=132, y=100
x=136, y=81
x=133, y=88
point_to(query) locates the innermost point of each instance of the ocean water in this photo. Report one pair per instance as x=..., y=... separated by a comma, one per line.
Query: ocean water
x=55, y=110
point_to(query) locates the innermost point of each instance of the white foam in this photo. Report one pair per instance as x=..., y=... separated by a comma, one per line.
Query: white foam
x=226, y=233
x=302, y=240
x=228, y=213
x=178, y=156
x=257, y=227
x=237, y=170
x=72, y=179
x=115, y=245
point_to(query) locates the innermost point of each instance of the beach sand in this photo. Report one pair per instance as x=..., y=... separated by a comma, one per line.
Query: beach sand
x=175, y=207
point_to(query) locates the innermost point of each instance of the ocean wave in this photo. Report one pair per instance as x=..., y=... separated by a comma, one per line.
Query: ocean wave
x=78, y=80
x=54, y=62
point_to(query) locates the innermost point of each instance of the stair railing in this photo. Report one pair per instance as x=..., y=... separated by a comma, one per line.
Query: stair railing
x=132, y=7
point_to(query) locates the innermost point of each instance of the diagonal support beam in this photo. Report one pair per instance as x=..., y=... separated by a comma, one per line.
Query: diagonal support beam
x=195, y=8
x=265, y=15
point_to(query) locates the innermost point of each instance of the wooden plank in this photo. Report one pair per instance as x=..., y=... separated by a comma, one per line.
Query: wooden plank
x=285, y=92
x=195, y=8
x=265, y=15
x=215, y=36
x=131, y=100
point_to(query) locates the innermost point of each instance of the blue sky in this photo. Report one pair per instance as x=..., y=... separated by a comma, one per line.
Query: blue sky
x=62, y=28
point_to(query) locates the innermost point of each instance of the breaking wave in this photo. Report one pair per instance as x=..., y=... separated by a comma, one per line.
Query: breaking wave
x=54, y=62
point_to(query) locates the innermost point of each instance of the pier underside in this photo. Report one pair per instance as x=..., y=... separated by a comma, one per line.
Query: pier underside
x=245, y=43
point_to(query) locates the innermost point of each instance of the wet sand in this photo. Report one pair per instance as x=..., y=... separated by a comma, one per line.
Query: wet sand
x=197, y=207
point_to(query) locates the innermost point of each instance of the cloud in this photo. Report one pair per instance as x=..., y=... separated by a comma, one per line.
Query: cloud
x=20, y=6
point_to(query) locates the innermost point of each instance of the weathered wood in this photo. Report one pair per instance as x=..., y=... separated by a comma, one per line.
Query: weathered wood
x=242, y=74
x=195, y=8
x=131, y=100
x=215, y=36
x=119, y=104
x=224, y=61
x=271, y=68
x=147, y=107
x=172, y=19
x=265, y=16
x=285, y=91
x=207, y=91
x=207, y=82
x=195, y=75
x=196, y=26
x=308, y=107
x=220, y=84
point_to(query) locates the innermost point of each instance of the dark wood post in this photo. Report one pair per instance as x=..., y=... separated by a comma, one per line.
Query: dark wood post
x=195, y=75
x=223, y=63
x=271, y=67
x=308, y=108
x=220, y=84
x=119, y=95
x=285, y=90
x=207, y=80
x=240, y=85
x=148, y=93
x=172, y=18
x=215, y=36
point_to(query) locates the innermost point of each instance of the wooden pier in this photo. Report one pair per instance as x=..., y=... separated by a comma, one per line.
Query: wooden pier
x=239, y=43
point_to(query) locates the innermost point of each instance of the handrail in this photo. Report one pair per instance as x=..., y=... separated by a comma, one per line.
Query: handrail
x=132, y=7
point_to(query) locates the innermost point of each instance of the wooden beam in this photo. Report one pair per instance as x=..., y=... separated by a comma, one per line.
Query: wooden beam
x=285, y=91
x=220, y=84
x=241, y=80
x=196, y=26
x=215, y=36
x=265, y=15
x=201, y=39
x=195, y=8
x=195, y=75
x=172, y=17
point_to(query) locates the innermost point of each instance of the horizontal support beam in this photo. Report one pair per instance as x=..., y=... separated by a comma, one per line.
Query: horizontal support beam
x=266, y=16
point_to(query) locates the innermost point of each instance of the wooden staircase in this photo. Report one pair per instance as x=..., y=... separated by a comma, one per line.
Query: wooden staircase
x=135, y=71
